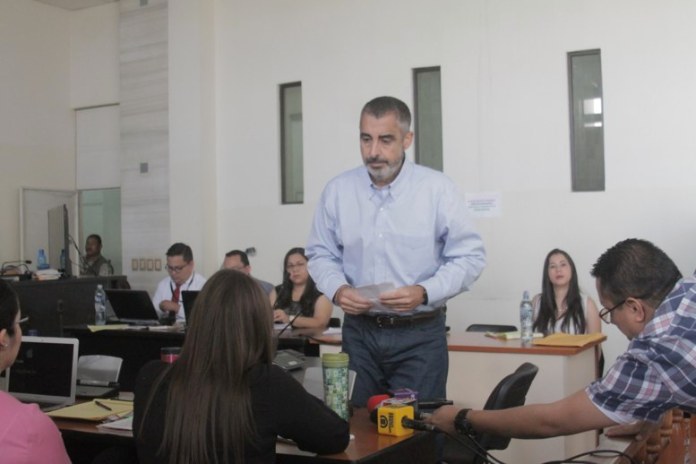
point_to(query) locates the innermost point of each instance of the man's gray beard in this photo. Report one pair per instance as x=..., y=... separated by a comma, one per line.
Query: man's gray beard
x=388, y=172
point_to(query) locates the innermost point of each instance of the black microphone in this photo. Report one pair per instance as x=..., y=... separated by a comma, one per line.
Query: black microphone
x=289, y=324
x=418, y=425
x=376, y=401
x=83, y=261
x=17, y=262
x=10, y=265
x=434, y=403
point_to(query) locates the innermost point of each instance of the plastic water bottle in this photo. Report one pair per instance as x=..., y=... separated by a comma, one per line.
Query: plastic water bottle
x=526, y=319
x=62, y=259
x=100, y=306
x=41, y=262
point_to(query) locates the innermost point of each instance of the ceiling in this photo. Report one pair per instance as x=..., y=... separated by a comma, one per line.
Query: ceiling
x=75, y=4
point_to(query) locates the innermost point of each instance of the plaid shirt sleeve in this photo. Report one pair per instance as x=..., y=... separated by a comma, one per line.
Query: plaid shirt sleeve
x=658, y=370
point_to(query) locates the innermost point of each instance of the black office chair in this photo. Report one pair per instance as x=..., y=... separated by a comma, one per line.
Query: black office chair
x=491, y=328
x=510, y=392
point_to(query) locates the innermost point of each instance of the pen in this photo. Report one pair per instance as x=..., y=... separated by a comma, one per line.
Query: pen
x=102, y=405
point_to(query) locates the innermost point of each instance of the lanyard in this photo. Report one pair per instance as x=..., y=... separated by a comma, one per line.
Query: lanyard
x=188, y=285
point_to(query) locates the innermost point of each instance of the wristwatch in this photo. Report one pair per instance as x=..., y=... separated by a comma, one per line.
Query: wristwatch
x=462, y=425
x=425, y=295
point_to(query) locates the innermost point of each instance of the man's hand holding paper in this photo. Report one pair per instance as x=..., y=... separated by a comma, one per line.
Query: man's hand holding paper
x=402, y=299
x=352, y=301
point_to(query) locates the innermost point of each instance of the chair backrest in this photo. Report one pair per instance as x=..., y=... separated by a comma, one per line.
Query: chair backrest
x=491, y=328
x=99, y=367
x=510, y=392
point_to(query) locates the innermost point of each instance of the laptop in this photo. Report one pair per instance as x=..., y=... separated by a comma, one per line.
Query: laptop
x=97, y=376
x=45, y=372
x=133, y=306
x=188, y=297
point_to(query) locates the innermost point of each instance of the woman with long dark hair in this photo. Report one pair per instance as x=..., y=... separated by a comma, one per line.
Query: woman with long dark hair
x=223, y=401
x=561, y=306
x=298, y=298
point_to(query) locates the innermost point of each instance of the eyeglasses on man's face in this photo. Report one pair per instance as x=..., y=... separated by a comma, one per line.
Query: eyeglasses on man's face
x=605, y=313
x=176, y=269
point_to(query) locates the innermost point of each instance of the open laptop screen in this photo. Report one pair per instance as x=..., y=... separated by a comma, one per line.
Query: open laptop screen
x=188, y=297
x=132, y=305
x=45, y=370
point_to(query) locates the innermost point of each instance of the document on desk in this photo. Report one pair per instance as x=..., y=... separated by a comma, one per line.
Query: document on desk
x=122, y=424
x=564, y=339
x=95, y=410
x=99, y=328
x=515, y=335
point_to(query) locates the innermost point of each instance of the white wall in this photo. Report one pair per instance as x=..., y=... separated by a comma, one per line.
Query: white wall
x=505, y=123
x=504, y=114
x=94, y=57
x=192, y=153
x=36, y=123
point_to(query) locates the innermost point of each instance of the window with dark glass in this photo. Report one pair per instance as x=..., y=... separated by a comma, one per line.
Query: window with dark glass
x=586, y=120
x=291, y=158
x=428, y=117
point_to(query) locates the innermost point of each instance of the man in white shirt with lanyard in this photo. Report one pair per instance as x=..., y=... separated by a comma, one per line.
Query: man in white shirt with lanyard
x=180, y=266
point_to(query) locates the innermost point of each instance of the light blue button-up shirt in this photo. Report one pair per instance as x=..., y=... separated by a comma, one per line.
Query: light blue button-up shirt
x=416, y=230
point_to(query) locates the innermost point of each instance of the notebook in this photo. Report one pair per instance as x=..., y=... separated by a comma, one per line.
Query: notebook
x=45, y=372
x=188, y=297
x=133, y=306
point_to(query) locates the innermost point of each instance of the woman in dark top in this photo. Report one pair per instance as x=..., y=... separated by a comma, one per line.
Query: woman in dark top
x=223, y=401
x=298, y=299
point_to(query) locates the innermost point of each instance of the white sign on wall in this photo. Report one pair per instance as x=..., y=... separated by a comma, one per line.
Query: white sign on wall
x=484, y=204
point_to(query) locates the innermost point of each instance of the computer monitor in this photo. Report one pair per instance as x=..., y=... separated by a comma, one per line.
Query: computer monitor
x=58, y=239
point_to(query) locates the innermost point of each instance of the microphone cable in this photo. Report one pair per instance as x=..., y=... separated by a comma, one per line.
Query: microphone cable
x=83, y=261
x=289, y=324
x=472, y=445
x=17, y=264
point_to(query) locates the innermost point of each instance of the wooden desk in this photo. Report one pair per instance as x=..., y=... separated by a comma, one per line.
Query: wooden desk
x=367, y=446
x=674, y=442
x=54, y=304
x=137, y=347
x=477, y=363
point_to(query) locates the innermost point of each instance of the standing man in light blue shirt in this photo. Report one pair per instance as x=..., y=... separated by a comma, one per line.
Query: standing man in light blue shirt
x=392, y=221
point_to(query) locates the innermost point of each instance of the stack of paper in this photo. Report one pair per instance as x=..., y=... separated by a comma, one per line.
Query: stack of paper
x=564, y=339
x=510, y=335
x=95, y=410
x=47, y=274
x=122, y=424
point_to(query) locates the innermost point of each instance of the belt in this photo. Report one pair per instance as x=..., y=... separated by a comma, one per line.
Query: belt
x=389, y=321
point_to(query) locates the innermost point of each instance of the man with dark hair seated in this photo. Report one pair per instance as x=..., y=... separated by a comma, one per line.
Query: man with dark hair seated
x=180, y=266
x=644, y=295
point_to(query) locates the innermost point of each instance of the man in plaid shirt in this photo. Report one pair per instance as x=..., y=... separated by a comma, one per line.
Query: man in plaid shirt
x=644, y=295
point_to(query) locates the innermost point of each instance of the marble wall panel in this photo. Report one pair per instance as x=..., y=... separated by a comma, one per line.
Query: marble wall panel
x=144, y=119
